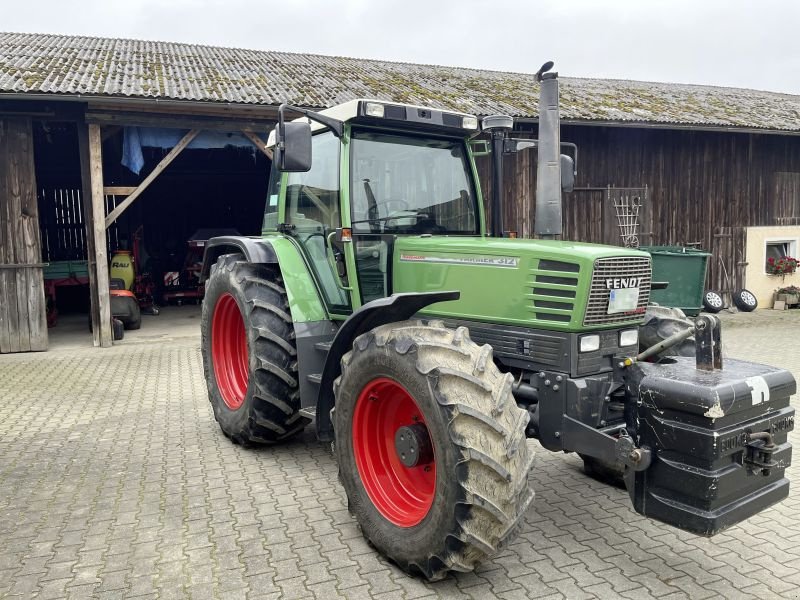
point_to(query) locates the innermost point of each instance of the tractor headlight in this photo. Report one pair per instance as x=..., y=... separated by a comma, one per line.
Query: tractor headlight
x=629, y=337
x=374, y=109
x=590, y=343
x=470, y=123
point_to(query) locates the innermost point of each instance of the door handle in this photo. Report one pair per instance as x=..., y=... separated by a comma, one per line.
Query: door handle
x=336, y=261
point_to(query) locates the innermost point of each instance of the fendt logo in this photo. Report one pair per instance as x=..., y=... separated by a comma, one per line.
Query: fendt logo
x=623, y=283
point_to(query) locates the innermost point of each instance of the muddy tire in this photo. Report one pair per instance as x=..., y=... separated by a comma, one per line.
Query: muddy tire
x=660, y=323
x=410, y=392
x=249, y=353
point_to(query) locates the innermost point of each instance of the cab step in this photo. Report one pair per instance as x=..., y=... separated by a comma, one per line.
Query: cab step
x=323, y=346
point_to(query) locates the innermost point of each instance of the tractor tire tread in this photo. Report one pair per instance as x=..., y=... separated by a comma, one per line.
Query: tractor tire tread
x=485, y=425
x=273, y=391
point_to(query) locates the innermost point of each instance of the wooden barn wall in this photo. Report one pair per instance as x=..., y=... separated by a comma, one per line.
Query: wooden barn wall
x=22, y=305
x=703, y=188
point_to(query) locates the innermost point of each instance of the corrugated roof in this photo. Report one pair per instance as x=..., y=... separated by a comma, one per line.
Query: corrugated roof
x=59, y=64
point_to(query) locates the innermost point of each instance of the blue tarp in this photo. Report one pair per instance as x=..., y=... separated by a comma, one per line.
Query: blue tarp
x=135, y=138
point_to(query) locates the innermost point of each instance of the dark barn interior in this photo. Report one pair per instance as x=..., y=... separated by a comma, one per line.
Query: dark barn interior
x=214, y=188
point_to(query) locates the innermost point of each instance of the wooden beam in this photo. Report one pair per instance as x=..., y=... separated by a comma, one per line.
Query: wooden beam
x=118, y=190
x=86, y=194
x=258, y=143
x=114, y=214
x=177, y=121
x=98, y=209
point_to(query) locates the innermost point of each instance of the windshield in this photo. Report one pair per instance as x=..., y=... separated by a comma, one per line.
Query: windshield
x=404, y=184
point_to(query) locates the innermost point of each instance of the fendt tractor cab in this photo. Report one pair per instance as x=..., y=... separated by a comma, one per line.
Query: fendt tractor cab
x=377, y=305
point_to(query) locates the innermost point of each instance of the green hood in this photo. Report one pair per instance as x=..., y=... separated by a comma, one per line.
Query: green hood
x=535, y=283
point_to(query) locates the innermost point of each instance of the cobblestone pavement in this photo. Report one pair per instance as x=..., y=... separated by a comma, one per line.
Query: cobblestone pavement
x=115, y=482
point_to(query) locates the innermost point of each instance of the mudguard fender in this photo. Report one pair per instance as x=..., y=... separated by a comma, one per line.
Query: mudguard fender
x=397, y=307
x=255, y=250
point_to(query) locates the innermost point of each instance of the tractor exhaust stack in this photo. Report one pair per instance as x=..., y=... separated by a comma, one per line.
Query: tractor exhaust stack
x=547, y=222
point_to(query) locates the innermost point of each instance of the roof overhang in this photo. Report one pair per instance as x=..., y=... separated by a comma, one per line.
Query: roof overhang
x=116, y=110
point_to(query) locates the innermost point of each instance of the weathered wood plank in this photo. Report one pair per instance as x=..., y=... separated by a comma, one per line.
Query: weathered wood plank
x=28, y=244
x=5, y=235
x=19, y=336
x=150, y=119
x=697, y=182
x=22, y=309
x=86, y=192
x=185, y=141
x=97, y=208
x=118, y=190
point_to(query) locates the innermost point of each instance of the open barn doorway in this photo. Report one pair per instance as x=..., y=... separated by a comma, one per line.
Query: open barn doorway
x=216, y=185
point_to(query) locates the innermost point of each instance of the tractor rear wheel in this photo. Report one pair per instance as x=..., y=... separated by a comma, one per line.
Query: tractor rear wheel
x=431, y=447
x=249, y=353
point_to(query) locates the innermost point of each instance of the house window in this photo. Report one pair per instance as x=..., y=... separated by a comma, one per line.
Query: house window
x=776, y=249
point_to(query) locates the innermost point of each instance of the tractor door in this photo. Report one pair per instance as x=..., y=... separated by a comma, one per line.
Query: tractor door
x=312, y=207
x=405, y=184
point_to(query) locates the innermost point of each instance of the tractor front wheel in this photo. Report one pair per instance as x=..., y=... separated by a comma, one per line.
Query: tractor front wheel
x=431, y=447
x=249, y=353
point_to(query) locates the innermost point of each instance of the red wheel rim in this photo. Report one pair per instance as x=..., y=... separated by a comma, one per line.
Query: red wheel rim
x=403, y=495
x=229, y=351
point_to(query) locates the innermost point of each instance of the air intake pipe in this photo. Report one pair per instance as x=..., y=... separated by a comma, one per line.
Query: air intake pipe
x=498, y=126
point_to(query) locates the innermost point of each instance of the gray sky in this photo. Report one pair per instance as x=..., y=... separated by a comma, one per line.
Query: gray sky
x=736, y=43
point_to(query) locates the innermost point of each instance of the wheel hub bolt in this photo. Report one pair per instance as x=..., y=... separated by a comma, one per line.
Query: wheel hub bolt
x=413, y=445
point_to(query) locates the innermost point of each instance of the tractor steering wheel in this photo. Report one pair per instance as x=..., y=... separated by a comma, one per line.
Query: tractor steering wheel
x=388, y=204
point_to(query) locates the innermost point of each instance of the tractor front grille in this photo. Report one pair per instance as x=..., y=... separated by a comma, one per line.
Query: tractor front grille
x=623, y=267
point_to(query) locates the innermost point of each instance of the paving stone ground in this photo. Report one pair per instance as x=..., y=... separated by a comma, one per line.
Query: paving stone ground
x=115, y=482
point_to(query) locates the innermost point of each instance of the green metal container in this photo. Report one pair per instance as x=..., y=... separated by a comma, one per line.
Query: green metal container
x=66, y=269
x=685, y=271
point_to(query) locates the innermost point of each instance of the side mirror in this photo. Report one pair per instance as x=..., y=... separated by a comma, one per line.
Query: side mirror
x=292, y=152
x=567, y=173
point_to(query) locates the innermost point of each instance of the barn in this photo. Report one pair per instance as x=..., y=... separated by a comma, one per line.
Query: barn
x=111, y=146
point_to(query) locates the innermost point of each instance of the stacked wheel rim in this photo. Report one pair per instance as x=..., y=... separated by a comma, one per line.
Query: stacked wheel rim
x=712, y=302
x=745, y=300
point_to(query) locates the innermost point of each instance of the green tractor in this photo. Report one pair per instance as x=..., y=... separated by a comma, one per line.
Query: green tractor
x=376, y=305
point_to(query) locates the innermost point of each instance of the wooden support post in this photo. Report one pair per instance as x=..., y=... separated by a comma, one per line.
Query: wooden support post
x=98, y=210
x=114, y=214
x=258, y=143
x=86, y=194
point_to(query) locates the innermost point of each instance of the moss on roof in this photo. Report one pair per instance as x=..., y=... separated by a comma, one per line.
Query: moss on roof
x=68, y=65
